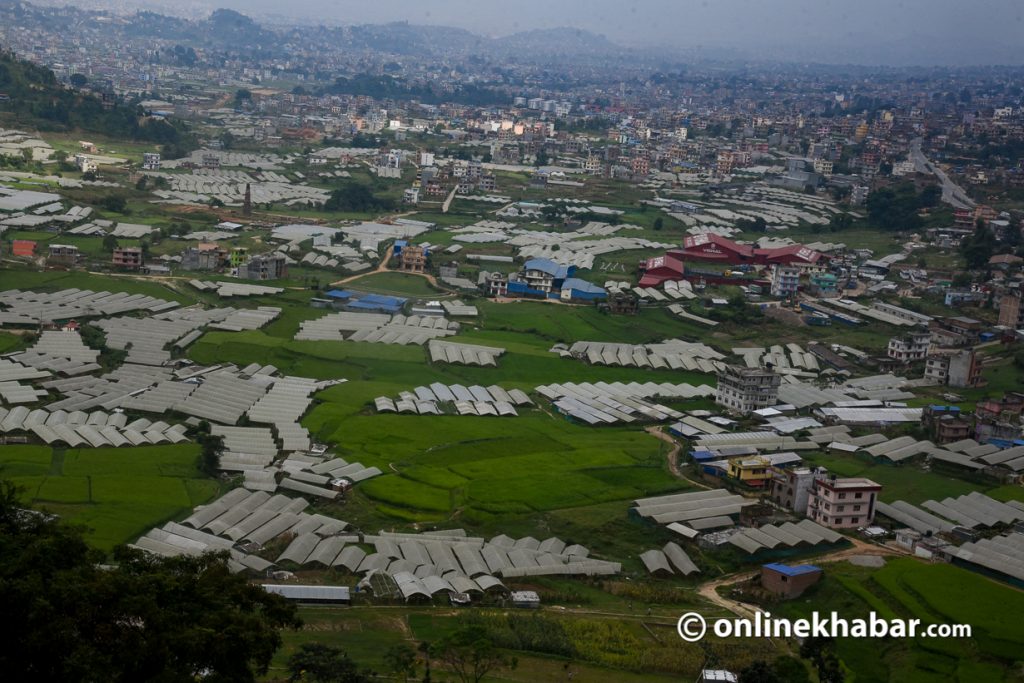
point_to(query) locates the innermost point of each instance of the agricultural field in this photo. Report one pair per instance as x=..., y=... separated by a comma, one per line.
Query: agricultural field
x=593, y=645
x=116, y=492
x=398, y=284
x=934, y=593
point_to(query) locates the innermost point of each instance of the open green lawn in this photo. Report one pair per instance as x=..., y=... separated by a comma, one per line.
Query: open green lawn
x=599, y=647
x=396, y=284
x=934, y=593
x=118, y=493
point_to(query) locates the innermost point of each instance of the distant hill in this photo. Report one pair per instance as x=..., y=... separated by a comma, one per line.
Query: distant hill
x=34, y=98
x=556, y=41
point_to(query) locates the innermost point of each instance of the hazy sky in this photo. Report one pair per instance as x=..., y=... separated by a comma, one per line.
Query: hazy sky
x=714, y=20
x=879, y=31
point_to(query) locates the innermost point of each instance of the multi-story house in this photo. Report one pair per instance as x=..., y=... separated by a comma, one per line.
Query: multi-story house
x=744, y=390
x=842, y=503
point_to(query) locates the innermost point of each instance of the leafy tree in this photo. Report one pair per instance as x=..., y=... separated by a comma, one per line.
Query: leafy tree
x=659, y=223
x=931, y=196
x=978, y=247
x=790, y=670
x=109, y=243
x=209, y=456
x=840, y=221
x=759, y=672
x=758, y=224
x=114, y=202
x=1018, y=359
x=471, y=654
x=401, y=661
x=357, y=197
x=894, y=208
x=321, y=663
x=78, y=80
x=242, y=95
x=146, y=618
x=541, y=158
x=821, y=651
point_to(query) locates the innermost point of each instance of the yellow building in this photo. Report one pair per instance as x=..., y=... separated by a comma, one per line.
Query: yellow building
x=751, y=470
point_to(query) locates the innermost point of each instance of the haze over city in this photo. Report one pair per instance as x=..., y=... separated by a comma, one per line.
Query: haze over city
x=871, y=32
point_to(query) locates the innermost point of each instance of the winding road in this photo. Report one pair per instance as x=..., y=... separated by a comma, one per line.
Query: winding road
x=951, y=192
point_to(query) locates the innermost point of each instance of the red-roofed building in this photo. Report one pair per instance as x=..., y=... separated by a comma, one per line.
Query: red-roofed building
x=26, y=248
x=661, y=269
x=715, y=248
x=790, y=255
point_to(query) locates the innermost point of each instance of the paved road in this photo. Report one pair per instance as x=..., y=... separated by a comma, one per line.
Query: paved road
x=951, y=192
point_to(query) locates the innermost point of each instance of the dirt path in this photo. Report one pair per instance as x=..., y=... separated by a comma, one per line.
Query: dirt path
x=709, y=590
x=673, y=456
x=383, y=267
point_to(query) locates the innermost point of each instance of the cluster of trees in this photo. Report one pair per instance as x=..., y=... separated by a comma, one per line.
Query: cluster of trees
x=210, y=448
x=781, y=670
x=356, y=197
x=896, y=207
x=978, y=247
x=758, y=224
x=70, y=617
x=37, y=98
x=385, y=87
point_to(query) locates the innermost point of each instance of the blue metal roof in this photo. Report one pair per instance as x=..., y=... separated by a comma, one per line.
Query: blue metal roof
x=793, y=571
x=582, y=286
x=548, y=266
x=339, y=294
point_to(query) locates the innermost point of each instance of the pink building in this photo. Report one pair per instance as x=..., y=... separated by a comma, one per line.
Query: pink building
x=842, y=503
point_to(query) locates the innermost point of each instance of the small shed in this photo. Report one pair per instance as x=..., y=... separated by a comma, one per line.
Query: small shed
x=525, y=599
x=789, y=582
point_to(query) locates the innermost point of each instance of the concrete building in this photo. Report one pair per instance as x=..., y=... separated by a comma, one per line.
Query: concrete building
x=264, y=267
x=744, y=390
x=205, y=256
x=127, y=258
x=791, y=487
x=944, y=424
x=959, y=369
x=623, y=303
x=910, y=347
x=62, y=255
x=412, y=259
x=785, y=280
x=789, y=582
x=539, y=277
x=150, y=161
x=1011, y=311
x=842, y=503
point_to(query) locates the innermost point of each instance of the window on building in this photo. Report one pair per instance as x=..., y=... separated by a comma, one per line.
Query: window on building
x=855, y=520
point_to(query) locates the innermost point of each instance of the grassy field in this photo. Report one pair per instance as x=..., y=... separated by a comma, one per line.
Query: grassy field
x=397, y=284
x=494, y=475
x=934, y=593
x=118, y=493
x=906, y=482
x=56, y=280
x=599, y=647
